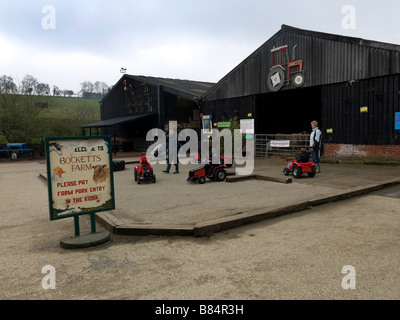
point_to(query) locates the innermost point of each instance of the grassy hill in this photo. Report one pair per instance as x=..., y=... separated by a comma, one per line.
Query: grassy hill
x=57, y=117
x=66, y=108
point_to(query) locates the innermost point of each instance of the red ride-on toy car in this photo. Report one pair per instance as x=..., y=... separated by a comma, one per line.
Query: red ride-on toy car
x=217, y=173
x=223, y=159
x=298, y=168
x=144, y=171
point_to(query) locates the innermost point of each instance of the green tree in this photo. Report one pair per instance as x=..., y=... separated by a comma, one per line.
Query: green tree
x=19, y=117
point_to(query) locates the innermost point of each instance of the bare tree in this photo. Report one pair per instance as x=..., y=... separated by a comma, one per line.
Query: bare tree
x=103, y=88
x=68, y=93
x=56, y=91
x=87, y=88
x=7, y=85
x=42, y=89
x=96, y=86
x=93, y=90
x=28, y=85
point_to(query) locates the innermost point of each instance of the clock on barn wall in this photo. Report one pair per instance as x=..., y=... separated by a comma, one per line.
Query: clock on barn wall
x=283, y=70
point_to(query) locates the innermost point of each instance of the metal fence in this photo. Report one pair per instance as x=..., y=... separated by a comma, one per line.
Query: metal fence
x=38, y=149
x=280, y=144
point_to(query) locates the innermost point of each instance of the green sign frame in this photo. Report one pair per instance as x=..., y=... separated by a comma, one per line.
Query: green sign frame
x=79, y=175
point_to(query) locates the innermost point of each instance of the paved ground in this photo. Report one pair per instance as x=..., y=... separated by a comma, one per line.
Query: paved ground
x=297, y=256
x=173, y=200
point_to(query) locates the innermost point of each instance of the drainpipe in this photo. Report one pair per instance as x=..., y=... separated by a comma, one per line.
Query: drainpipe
x=160, y=107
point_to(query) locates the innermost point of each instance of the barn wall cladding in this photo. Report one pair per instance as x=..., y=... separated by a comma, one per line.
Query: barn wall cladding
x=138, y=103
x=362, y=111
x=327, y=59
x=350, y=85
x=129, y=97
x=224, y=109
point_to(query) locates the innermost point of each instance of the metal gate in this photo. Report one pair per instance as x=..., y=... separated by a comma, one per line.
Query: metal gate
x=280, y=144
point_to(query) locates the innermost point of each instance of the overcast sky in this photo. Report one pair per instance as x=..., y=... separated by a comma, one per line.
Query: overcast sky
x=66, y=42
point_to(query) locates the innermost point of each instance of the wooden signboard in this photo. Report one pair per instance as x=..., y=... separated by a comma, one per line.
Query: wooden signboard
x=80, y=177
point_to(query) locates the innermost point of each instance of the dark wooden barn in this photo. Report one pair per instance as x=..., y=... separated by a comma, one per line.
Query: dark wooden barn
x=137, y=104
x=349, y=85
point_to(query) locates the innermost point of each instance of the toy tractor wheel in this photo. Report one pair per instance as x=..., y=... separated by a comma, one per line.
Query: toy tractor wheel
x=298, y=80
x=296, y=171
x=313, y=172
x=201, y=179
x=286, y=171
x=135, y=173
x=154, y=178
x=220, y=175
x=276, y=78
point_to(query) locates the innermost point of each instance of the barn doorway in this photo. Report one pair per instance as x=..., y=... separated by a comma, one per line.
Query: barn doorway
x=288, y=111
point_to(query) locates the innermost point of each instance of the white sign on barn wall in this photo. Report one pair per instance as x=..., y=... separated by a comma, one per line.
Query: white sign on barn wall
x=280, y=143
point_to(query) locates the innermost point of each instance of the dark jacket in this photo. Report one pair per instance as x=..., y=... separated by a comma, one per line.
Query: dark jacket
x=178, y=146
x=303, y=157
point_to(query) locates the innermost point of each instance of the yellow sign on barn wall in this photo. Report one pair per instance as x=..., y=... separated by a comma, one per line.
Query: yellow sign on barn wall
x=79, y=174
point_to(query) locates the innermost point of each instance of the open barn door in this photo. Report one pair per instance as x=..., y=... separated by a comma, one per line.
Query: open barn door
x=288, y=111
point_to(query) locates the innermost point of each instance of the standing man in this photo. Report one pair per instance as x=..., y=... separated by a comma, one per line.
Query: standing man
x=315, y=144
x=172, y=148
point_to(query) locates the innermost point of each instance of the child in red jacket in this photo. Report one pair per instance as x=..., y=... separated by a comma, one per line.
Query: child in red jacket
x=144, y=161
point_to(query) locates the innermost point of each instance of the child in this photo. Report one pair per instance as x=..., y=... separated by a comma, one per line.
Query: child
x=144, y=161
x=212, y=165
x=304, y=156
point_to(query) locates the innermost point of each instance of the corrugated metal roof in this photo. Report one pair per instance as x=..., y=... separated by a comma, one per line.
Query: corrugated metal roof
x=117, y=121
x=188, y=89
x=191, y=88
x=327, y=58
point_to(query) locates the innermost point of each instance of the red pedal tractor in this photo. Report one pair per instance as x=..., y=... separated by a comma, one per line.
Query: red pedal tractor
x=298, y=168
x=216, y=173
x=144, y=171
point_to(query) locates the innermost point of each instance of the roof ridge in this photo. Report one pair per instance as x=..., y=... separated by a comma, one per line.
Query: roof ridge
x=339, y=37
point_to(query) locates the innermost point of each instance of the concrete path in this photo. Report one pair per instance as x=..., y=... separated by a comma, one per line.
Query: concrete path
x=174, y=206
x=296, y=256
